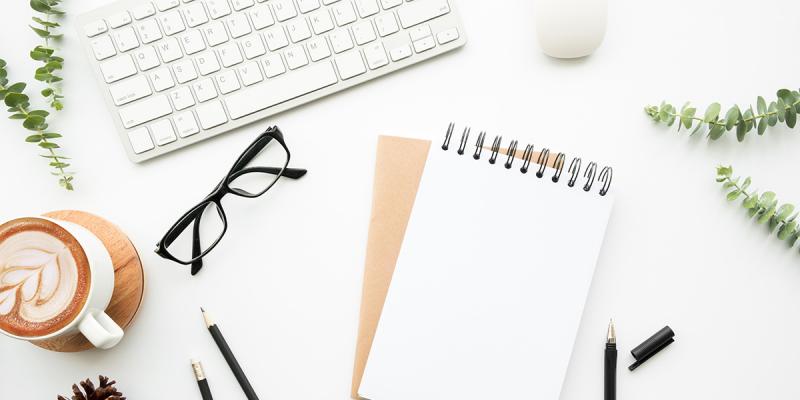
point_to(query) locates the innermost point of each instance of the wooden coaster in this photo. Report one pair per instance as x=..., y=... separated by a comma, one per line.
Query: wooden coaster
x=128, y=277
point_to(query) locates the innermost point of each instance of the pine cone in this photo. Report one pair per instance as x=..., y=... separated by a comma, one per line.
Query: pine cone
x=106, y=391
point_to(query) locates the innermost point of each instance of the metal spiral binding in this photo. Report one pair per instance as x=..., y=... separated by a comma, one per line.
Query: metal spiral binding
x=544, y=155
x=574, y=169
x=605, y=177
x=495, y=149
x=558, y=165
x=511, y=152
x=526, y=158
x=464, y=139
x=479, y=146
x=446, y=144
x=589, y=175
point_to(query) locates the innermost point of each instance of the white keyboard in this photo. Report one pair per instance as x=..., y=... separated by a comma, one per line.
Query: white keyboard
x=175, y=72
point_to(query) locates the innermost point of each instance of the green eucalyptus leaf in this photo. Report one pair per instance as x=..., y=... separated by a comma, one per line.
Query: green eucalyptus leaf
x=41, y=32
x=17, y=116
x=791, y=117
x=761, y=105
x=34, y=122
x=731, y=117
x=712, y=113
x=48, y=145
x=767, y=215
x=785, y=211
x=15, y=99
x=750, y=202
x=34, y=138
x=786, y=96
x=787, y=230
x=781, y=110
x=734, y=195
x=41, y=113
x=762, y=125
x=716, y=132
x=746, y=183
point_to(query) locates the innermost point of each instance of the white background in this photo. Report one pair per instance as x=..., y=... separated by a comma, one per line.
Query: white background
x=285, y=283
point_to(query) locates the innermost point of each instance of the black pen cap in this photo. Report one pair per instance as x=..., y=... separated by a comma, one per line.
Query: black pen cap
x=651, y=346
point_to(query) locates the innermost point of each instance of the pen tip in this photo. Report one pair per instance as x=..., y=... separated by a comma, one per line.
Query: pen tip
x=202, y=310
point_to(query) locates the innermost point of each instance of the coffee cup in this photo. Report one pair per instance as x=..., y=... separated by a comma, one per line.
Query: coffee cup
x=56, y=279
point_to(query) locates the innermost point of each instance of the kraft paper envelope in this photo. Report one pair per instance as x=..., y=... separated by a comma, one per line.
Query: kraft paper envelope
x=398, y=170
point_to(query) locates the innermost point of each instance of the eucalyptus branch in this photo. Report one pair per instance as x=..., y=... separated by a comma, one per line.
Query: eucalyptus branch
x=45, y=54
x=19, y=105
x=764, y=207
x=784, y=110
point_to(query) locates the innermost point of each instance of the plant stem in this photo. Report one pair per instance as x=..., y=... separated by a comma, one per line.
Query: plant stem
x=654, y=110
x=739, y=188
x=53, y=156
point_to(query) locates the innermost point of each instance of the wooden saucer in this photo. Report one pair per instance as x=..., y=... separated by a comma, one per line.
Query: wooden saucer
x=128, y=277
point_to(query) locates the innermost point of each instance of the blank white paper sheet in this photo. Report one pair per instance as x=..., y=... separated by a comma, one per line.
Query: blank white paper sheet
x=487, y=295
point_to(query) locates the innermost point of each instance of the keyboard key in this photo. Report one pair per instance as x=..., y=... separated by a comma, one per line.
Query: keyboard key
x=387, y=4
x=447, y=36
x=329, y=2
x=240, y=5
x=367, y=8
x=386, y=24
x=350, y=64
x=211, y=114
x=117, y=68
x=363, y=32
x=169, y=49
x=279, y=90
x=186, y=124
x=130, y=90
x=162, y=132
x=204, y=90
x=321, y=21
x=95, y=28
x=340, y=40
x=164, y=5
x=399, y=53
x=171, y=22
x=161, y=79
x=119, y=19
x=284, y=9
x=298, y=29
x=144, y=110
x=276, y=38
x=146, y=57
x=308, y=5
x=238, y=25
x=143, y=11
x=250, y=74
x=419, y=32
x=227, y=81
x=424, y=44
x=195, y=14
x=318, y=48
x=417, y=12
x=193, y=42
x=376, y=55
x=253, y=46
x=181, y=98
x=125, y=39
x=273, y=65
x=344, y=13
x=230, y=55
x=103, y=48
x=295, y=57
x=140, y=140
x=261, y=16
x=149, y=31
x=215, y=33
x=184, y=71
x=218, y=8
x=207, y=63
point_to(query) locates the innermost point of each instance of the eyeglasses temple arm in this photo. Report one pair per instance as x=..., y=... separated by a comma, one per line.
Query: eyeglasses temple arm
x=198, y=264
x=291, y=173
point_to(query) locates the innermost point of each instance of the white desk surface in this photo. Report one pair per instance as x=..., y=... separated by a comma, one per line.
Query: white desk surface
x=285, y=283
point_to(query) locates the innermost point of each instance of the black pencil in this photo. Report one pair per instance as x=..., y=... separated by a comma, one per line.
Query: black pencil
x=229, y=357
x=202, y=382
x=611, y=364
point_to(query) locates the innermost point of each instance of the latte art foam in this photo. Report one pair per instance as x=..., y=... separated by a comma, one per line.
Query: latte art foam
x=42, y=285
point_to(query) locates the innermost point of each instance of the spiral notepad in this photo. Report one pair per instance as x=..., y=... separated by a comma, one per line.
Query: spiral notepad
x=489, y=288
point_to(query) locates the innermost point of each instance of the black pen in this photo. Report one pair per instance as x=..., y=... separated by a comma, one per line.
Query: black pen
x=202, y=382
x=611, y=363
x=229, y=357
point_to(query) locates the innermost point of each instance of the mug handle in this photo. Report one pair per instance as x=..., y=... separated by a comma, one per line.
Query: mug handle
x=101, y=330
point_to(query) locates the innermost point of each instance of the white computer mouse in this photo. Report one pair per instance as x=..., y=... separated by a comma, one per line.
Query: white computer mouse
x=570, y=28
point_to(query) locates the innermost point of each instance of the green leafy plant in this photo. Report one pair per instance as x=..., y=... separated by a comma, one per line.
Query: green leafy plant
x=784, y=110
x=44, y=53
x=18, y=102
x=763, y=207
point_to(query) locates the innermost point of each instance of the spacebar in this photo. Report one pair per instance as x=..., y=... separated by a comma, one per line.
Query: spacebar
x=277, y=90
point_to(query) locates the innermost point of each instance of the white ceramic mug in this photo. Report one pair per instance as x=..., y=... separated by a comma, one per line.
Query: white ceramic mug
x=92, y=320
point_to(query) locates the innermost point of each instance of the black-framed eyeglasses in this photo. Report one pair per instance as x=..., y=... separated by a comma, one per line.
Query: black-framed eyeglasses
x=256, y=171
